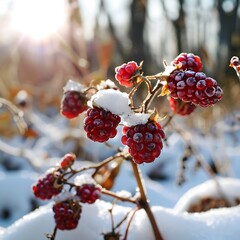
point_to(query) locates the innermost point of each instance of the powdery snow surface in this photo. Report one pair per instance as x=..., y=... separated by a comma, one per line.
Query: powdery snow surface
x=218, y=224
x=227, y=188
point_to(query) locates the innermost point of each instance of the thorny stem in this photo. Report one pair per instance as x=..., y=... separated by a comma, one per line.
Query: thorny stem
x=143, y=201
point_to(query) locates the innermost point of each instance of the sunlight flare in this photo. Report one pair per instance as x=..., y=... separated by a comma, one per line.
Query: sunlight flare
x=38, y=19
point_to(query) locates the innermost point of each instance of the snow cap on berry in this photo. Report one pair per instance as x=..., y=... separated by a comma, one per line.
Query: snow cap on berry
x=111, y=100
x=133, y=119
x=73, y=86
x=84, y=179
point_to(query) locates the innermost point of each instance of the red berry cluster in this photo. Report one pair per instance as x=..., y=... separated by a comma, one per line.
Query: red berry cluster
x=180, y=107
x=88, y=193
x=125, y=72
x=67, y=214
x=194, y=87
x=73, y=103
x=47, y=187
x=189, y=84
x=188, y=61
x=100, y=125
x=144, y=141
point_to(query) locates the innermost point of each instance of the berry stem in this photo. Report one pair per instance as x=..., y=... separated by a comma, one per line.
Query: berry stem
x=143, y=201
x=53, y=235
x=123, y=199
x=130, y=95
x=151, y=94
x=96, y=166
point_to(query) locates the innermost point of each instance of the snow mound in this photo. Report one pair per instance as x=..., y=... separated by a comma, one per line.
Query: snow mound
x=221, y=224
x=217, y=188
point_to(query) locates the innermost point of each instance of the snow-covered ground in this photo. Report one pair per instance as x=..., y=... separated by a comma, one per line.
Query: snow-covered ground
x=168, y=200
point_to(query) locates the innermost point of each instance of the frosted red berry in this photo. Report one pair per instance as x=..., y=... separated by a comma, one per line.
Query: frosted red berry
x=67, y=214
x=88, y=193
x=125, y=72
x=100, y=125
x=144, y=141
x=180, y=107
x=47, y=187
x=194, y=87
x=235, y=63
x=67, y=161
x=188, y=61
x=73, y=103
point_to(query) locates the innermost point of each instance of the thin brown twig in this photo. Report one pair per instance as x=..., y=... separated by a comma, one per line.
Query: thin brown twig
x=146, y=103
x=114, y=195
x=129, y=222
x=143, y=201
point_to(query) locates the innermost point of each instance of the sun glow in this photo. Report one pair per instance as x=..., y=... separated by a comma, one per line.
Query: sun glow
x=38, y=19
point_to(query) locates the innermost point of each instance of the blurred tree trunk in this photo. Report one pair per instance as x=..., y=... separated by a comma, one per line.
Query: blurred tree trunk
x=138, y=17
x=180, y=28
x=227, y=20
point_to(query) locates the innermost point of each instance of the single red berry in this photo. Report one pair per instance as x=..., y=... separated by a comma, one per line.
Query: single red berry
x=88, y=193
x=125, y=72
x=180, y=107
x=188, y=61
x=73, y=103
x=144, y=141
x=100, y=125
x=234, y=62
x=67, y=214
x=67, y=160
x=194, y=87
x=47, y=187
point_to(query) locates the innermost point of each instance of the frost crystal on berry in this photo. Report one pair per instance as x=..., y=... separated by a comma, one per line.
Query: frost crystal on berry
x=144, y=141
x=100, y=125
x=125, y=72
